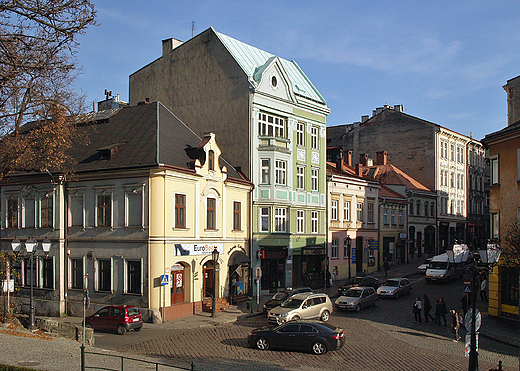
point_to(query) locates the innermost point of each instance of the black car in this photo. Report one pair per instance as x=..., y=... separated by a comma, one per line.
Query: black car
x=283, y=295
x=311, y=336
x=358, y=281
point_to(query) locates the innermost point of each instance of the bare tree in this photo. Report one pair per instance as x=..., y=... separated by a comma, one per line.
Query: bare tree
x=38, y=43
x=511, y=244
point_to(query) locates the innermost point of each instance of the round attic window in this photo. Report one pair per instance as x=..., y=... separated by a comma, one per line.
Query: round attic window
x=274, y=81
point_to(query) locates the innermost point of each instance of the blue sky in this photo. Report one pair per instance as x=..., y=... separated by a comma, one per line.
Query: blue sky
x=444, y=61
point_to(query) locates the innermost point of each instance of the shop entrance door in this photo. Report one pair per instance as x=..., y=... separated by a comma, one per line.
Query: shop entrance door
x=208, y=282
x=177, y=286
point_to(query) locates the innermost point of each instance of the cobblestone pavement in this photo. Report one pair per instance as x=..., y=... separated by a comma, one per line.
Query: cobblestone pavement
x=368, y=347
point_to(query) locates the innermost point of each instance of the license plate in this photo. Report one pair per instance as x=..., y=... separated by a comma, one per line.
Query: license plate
x=135, y=320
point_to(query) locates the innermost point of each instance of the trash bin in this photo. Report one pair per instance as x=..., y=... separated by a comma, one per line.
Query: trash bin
x=250, y=304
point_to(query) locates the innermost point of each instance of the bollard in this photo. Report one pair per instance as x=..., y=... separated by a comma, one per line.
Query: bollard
x=192, y=366
x=82, y=357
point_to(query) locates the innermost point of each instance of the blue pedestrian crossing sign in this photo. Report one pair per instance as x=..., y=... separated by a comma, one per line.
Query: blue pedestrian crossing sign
x=164, y=279
x=467, y=289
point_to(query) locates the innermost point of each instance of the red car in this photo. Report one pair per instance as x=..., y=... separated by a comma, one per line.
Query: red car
x=120, y=318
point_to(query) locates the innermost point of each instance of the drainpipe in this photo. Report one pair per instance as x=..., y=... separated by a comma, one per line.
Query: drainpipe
x=65, y=242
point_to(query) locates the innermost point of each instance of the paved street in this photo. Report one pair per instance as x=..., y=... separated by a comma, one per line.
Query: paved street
x=382, y=338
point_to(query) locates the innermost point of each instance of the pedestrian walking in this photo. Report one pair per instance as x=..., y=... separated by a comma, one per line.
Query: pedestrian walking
x=455, y=325
x=427, y=305
x=437, y=313
x=417, y=308
x=483, y=289
x=386, y=267
x=466, y=302
x=444, y=310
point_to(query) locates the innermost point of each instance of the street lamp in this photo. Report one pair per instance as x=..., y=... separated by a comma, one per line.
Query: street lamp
x=489, y=256
x=30, y=247
x=214, y=256
x=349, y=244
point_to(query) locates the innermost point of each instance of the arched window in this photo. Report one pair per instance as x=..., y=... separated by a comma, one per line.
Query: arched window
x=426, y=209
x=211, y=160
x=418, y=208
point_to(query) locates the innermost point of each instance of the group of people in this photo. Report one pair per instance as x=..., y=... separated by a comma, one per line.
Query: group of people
x=439, y=317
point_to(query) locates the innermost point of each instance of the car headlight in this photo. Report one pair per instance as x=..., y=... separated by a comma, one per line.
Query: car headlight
x=283, y=315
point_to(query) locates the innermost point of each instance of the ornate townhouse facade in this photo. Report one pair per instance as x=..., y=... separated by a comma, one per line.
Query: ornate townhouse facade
x=430, y=153
x=271, y=120
x=136, y=223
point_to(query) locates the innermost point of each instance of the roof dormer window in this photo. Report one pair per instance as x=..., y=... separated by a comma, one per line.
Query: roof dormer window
x=211, y=160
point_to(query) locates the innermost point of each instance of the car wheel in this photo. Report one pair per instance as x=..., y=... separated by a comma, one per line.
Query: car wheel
x=396, y=295
x=358, y=308
x=89, y=325
x=262, y=343
x=318, y=348
x=376, y=303
x=121, y=329
x=325, y=316
x=295, y=318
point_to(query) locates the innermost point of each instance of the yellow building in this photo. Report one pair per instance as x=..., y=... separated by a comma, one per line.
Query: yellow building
x=504, y=201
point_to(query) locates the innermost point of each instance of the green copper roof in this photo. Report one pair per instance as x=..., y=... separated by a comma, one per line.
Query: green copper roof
x=253, y=61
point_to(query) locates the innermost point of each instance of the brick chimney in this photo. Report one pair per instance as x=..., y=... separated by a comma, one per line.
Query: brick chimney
x=363, y=157
x=339, y=160
x=359, y=169
x=381, y=158
x=349, y=158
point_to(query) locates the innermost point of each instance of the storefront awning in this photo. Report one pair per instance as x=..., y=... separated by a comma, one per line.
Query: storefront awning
x=238, y=257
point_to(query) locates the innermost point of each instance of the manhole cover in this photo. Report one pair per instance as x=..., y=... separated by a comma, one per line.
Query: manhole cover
x=28, y=363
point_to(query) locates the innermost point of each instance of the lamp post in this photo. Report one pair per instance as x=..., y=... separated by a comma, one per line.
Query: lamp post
x=30, y=246
x=349, y=244
x=489, y=256
x=214, y=256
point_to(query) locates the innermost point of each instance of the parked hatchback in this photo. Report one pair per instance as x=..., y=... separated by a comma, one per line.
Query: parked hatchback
x=302, y=306
x=316, y=337
x=357, y=298
x=283, y=295
x=120, y=318
x=358, y=281
x=395, y=287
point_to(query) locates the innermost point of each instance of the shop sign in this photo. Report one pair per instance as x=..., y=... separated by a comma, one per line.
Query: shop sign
x=198, y=249
x=313, y=251
x=271, y=254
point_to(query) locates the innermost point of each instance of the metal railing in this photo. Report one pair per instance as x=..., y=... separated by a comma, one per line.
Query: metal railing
x=130, y=363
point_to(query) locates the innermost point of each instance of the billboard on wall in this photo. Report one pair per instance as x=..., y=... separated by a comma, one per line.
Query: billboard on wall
x=198, y=249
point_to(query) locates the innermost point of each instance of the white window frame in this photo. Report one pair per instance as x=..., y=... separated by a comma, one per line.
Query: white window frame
x=134, y=189
x=370, y=212
x=82, y=258
x=281, y=172
x=39, y=277
x=300, y=221
x=280, y=220
x=386, y=219
x=334, y=209
x=393, y=216
x=494, y=162
x=334, y=248
x=104, y=191
x=271, y=126
x=300, y=177
x=50, y=196
x=300, y=134
x=359, y=211
x=315, y=176
x=314, y=221
x=77, y=192
x=315, y=144
x=265, y=213
x=401, y=217
x=265, y=171
x=346, y=211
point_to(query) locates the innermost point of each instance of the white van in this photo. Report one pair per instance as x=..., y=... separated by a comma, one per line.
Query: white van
x=441, y=269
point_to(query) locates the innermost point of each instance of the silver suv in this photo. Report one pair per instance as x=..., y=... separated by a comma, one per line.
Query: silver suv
x=304, y=306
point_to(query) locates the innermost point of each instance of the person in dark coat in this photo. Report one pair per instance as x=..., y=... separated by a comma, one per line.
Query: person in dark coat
x=386, y=267
x=444, y=311
x=417, y=308
x=427, y=305
x=437, y=313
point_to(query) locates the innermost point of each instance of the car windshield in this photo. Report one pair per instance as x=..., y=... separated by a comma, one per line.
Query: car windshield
x=134, y=311
x=354, y=293
x=280, y=296
x=392, y=283
x=438, y=265
x=354, y=281
x=292, y=303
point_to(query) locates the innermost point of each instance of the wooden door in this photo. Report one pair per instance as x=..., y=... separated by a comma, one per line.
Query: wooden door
x=177, y=286
x=208, y=282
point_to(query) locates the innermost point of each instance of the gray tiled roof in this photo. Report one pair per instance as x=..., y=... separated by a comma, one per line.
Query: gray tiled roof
x=145, y=135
